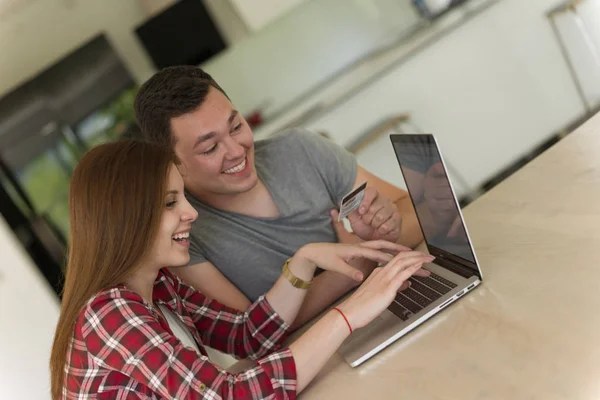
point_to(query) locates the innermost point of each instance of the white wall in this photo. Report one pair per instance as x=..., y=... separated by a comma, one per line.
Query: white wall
x=259, y=13
x=230, y=24
x=34, y=34
x=41, y=32
x=490, y=91
x=581, y=33
x=28, y=315
x=301, y=48
x=305, y=48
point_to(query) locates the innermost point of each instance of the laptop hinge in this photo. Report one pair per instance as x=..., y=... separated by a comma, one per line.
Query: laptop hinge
x=455, y=267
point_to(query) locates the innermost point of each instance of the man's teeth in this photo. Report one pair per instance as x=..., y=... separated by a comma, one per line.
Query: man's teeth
x=181, y=236
x=237, y=168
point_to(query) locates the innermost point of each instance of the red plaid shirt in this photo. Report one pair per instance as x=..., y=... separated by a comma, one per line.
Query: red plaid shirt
x=123, y=349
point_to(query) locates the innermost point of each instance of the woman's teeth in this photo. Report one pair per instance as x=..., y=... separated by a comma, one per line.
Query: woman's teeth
x=181, y=236
x=237, y=168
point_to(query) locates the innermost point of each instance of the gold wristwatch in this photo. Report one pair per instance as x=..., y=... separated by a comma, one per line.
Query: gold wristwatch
x=294, y=280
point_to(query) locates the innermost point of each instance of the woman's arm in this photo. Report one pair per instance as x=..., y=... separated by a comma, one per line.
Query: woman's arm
x=265, y=324
x=316, y=346
x=334, y=258
x=329, y=286
x=312, y=350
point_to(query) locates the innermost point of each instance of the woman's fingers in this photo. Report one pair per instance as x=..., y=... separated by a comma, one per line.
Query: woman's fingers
x=344, y=268
x=405, y=255
x=423, y=273
x=384, y=245
x=379, y=256
x=399, y=279
x=405, y=285
x=350, y=252
x=398, y=264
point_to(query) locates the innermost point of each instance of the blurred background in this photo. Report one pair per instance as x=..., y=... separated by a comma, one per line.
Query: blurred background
x=497, y=82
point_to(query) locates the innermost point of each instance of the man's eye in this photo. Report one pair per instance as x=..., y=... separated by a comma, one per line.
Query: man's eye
x=210, y=149
x=237, y=127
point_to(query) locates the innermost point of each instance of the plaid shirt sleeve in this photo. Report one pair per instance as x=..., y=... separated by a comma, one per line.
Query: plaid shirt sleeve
x=120, y=334
x=251, y=334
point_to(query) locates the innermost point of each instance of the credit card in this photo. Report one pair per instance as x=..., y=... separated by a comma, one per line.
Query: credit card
x=351, y=201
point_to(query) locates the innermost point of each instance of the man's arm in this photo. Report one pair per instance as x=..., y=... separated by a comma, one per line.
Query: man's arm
x=410, y=233
x=208, y=280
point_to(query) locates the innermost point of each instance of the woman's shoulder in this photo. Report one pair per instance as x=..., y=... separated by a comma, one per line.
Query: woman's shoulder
x=112, y=307
x=118, y=294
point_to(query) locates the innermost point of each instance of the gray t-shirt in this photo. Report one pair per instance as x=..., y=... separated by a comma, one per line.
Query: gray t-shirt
x=307, y=176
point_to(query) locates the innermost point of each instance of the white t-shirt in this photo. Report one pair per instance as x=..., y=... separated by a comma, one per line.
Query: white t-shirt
x=179, y=329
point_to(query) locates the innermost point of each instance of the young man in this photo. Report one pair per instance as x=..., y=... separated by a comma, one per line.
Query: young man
x=258, y=203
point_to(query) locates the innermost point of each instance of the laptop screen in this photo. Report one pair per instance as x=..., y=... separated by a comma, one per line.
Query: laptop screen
x=431, y=193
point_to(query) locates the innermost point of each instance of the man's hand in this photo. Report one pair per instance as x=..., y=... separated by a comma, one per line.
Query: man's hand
x=376, y=218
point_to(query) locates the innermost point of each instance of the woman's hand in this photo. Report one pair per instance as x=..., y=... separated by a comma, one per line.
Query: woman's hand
x=337, y=256
x=380, y=289
x=322, y=339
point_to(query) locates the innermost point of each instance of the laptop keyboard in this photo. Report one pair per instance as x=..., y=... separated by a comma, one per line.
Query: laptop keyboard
x=421, y=293
x=435, y=282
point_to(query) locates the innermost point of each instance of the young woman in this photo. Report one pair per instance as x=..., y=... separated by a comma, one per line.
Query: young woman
x=129, y=329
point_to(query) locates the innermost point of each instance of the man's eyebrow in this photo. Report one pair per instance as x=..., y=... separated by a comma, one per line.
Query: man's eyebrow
x=210, y=135
x=203, y=138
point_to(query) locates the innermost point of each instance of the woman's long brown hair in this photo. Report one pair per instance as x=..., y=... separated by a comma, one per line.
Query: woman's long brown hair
x=116, y=200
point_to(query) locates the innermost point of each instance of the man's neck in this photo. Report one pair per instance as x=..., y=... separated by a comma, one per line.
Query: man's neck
x=256, y=202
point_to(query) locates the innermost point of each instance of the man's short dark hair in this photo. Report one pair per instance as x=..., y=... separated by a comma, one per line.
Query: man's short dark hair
x=168, y=94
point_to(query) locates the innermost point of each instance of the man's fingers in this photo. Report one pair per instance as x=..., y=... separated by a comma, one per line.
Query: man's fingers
x=371, y=194
x=338, y=226
x=334, y=214
x=369, y=215
x=343, y=236
x=355, y=218
x=392, y=224
x=383, y=215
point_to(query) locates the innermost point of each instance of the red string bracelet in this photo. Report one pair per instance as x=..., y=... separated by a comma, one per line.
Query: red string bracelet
x=343, y=316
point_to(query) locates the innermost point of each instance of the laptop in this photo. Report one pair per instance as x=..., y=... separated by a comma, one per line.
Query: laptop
x=455, y=271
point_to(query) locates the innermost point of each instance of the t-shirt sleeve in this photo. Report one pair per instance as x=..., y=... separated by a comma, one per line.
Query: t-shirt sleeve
x=336, y=165
x=196, y=253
